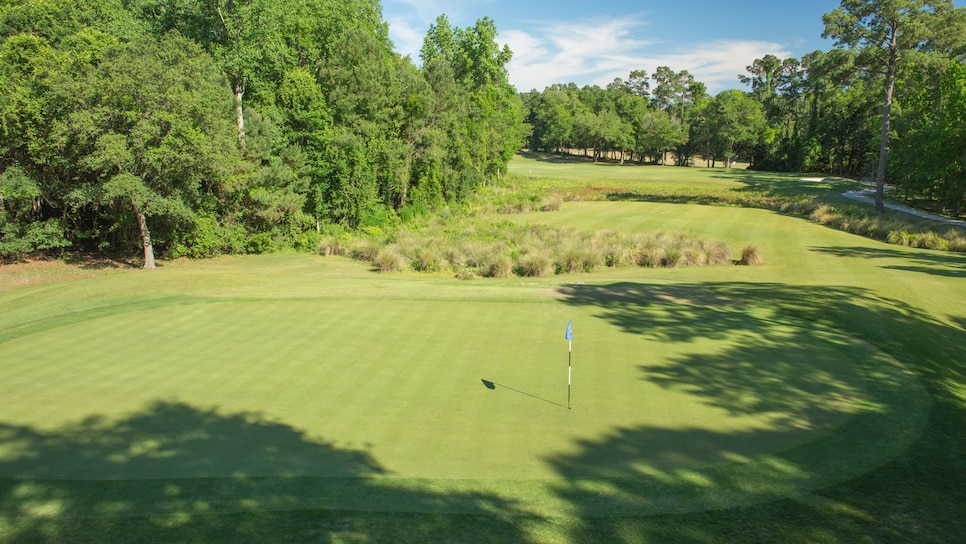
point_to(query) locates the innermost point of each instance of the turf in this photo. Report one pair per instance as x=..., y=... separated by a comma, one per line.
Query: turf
x=818, y=397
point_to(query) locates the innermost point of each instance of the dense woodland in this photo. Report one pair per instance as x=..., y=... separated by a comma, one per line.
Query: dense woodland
x=236, y=126
x=243, y=126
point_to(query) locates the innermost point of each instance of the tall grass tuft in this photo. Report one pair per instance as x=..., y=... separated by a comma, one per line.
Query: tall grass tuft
x=535, y=264
x=473, y=248
x=957, y=241
x=365, y=249
x=750, y=256
x=500, y=266
x=390, y=259
x=823, y=214
x=718, y=253
x=331, y=245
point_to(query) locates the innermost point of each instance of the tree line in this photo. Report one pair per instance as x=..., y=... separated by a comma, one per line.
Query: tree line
x=888, y=102
x=233, y=126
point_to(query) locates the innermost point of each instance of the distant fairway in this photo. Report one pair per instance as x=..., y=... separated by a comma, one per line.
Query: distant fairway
x=285, y=383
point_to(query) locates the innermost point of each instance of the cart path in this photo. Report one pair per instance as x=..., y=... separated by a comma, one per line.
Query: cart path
x=863, y=196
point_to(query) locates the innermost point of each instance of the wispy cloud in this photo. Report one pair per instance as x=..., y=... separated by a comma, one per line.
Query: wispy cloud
x=597, y=53
x=591, y=52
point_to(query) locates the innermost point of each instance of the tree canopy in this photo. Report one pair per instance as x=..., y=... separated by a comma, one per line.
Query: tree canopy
x=200, y=128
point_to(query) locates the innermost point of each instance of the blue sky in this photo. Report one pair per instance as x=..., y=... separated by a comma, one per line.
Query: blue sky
x=590, y=42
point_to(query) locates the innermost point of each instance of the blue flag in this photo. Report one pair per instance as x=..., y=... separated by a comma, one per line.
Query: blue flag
x=570, y=331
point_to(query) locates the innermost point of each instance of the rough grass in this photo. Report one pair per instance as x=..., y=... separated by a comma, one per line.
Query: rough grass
x=890, y=227
x=473, y=247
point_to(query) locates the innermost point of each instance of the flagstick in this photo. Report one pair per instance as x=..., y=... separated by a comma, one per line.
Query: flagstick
x=570, y=350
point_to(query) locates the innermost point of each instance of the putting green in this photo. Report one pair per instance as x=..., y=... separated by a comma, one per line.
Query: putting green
x=682, y=399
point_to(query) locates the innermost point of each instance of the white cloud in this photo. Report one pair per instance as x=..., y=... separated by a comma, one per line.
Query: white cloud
x=406, y=36
x=409, y=20
x=597, y=53
x=587, y=52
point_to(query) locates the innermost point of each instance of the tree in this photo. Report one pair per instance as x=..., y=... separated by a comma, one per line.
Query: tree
x=491, y=120
x=149, y=130
x=736, y=123
x=659, y=133
x=932, y=160
x=884, y=31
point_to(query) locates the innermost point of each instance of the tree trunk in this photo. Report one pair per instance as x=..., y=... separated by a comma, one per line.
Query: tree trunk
x=145, y=239
x=886, y=114
x=239, y=112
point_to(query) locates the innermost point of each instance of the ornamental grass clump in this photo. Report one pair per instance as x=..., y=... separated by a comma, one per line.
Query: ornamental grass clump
x=650, y=255
x=390, y=259
x=957, y=241
x=331, y=245
x=502, y=249
x=931, y=240
x=500, y=266
x=427, y=259
x=718, y=253
x=823, y=214
x=751, y=256
x=535, y=264
x=365, y=249
x=673, y=256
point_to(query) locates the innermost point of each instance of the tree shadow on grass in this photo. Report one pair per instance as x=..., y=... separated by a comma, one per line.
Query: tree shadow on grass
x=936, y=263
x=174, y=472
x=784, y=186
x=906, y=494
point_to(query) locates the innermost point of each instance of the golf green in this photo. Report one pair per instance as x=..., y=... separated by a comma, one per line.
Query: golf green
x=451, y=388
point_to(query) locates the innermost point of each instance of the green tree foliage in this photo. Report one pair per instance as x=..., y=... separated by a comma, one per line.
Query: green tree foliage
x=148, y=132
x=883, y=32
x=114, y=117
x=629, y=119
x=660, y=132
x=476, y=107
x=932, y=161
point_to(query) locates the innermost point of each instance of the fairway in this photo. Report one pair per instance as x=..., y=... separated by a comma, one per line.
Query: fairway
x=297, y=376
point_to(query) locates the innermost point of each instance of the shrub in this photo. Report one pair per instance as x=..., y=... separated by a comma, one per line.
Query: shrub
x=390, y=259
x=750, y=256
x=260, y=242
x=672, y=257
x=552, y=203
x=500, y=266
x=427, y=259
x=957, y=242
x=535, y=264
x=331, y=244
x=931, y=240
x=718, y=253
x=365, y=249
x=823, y=214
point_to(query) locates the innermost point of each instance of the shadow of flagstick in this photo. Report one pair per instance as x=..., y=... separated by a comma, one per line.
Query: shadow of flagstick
x=494, y=385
